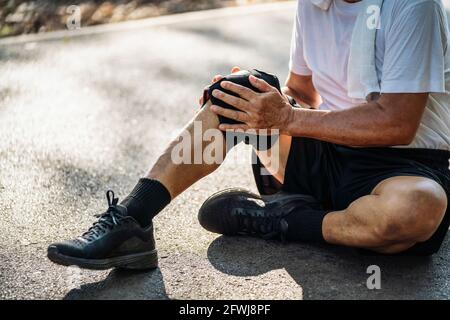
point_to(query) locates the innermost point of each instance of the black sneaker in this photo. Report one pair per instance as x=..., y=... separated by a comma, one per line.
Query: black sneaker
x=115, y=240
x=239, y=212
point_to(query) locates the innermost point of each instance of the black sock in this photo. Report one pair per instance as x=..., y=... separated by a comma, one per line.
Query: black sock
x=305, y=225
x=146, y=200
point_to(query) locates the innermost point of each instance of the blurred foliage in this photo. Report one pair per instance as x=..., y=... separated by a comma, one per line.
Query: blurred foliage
x=25, y=16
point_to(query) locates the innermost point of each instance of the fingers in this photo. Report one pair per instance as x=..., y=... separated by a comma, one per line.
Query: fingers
x=260, y=84
x=242, y=91
x=216, y=78
x=231, y=114
x=236, y=102
x=235, y=69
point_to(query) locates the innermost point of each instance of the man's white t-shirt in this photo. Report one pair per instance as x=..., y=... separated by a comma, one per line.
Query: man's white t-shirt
x=412, y=56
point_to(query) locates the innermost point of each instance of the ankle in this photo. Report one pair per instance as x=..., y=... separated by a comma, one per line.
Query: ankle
x=146, y=200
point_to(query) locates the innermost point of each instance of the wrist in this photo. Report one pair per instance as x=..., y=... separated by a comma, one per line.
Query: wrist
x=287, y=125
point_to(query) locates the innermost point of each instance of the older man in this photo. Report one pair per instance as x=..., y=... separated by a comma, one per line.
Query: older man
x=365, y=172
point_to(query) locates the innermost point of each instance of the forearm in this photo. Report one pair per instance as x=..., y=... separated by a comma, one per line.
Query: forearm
x=392, y=119
x=367, y=125
x=308, y=102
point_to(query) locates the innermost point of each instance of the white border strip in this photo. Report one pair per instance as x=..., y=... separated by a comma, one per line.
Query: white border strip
x=151, y=22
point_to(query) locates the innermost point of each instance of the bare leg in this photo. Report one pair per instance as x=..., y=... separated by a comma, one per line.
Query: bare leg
x=399, y=213
x=178, y=177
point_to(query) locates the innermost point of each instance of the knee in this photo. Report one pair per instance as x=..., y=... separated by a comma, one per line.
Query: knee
x=412, y=213
x=260, y=142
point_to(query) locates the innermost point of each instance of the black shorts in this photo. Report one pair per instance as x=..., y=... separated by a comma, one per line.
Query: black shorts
x=336, y=175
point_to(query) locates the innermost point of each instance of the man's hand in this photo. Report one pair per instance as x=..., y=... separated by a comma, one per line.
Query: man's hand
x=266, y=110
x=217, y=78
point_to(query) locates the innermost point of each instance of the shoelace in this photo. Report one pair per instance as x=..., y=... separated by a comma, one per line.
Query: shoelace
x=266, y=225
x=107, y=220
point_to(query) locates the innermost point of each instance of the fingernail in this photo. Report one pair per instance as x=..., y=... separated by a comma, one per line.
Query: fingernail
x=224, y=84
x=216, y=93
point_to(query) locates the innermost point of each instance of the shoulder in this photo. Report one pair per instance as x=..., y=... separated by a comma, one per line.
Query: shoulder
x=413, y=12
x=401, y=7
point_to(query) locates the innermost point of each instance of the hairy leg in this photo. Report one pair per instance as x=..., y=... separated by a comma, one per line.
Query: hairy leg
x=178, y=177
x=399, y=213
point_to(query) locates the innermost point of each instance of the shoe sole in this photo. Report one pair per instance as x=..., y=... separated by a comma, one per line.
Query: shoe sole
x=139, y=261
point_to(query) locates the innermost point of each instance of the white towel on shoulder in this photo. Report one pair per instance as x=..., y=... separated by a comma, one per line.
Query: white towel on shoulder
x=362, y=74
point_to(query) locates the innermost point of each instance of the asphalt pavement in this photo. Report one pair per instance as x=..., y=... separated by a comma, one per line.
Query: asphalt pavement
x=80, y=114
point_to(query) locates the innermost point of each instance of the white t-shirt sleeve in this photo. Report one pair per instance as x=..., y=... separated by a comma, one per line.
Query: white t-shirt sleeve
x=415, y=51
x=297, y=63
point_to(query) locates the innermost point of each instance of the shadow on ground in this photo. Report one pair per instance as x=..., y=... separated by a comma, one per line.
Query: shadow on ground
x=326, y=272
x=123, y=285
x=323, y=272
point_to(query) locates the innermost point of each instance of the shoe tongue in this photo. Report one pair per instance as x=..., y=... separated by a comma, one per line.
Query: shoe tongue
x=122, y=210
x=113, y=213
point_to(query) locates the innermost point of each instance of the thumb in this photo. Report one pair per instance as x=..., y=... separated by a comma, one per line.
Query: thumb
x=260, y=84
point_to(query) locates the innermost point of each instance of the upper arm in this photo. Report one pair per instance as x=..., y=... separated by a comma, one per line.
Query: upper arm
x=299, y=82
x=414, y=65
x=297, y=62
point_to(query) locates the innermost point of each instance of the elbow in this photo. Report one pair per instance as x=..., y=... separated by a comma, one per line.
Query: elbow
x=404, y=141
x=403, y=135
x=401, y=114
x=398, y=129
